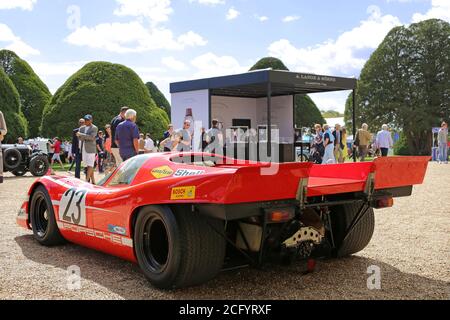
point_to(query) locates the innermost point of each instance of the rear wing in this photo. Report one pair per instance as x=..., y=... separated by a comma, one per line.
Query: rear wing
x=248, y=184
x=394, y=172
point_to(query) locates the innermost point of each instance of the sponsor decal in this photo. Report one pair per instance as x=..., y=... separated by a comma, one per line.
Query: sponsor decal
x=114, y=238
x=183, y=193
x=162, y=172
x=117, y=229
x=188, y=172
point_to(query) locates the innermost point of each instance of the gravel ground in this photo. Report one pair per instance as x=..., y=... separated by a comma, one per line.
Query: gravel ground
x=411, y=246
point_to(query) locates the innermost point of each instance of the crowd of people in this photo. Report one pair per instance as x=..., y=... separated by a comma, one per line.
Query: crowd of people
x=104, y=150
x=122, y=140
x=329, y=145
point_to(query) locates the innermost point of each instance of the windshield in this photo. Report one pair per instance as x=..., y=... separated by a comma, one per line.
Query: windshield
x=126, y=174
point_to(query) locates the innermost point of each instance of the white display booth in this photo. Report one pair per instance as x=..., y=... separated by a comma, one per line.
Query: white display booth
x=251, y=101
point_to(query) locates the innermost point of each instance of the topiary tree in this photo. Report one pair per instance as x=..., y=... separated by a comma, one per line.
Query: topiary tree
x=34, y=94
x=101, y=89
x=269, y=62
x=158, y=97
x=10, y=106
x=306, y=112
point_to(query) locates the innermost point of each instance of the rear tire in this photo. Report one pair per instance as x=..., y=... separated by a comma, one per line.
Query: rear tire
x=42, y=218
x=359, y=237
x=178, y=249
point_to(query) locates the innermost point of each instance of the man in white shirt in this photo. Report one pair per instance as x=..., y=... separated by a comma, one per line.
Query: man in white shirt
x=149, y=144
x=384, y=140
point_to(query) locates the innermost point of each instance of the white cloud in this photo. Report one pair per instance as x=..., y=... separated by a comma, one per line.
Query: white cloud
x=136, y=35
x=46, y=69
x=208, y=2
x=21, y=4
x=291, y=18
x=209, y=65
x=232, y=14
x=12, y=42
x=331, y=100
x=191, y=39
x=173, y=64
x=440, y=9
x=340, y=55
x=261, y=18
x=156, y=11
x=132, y=37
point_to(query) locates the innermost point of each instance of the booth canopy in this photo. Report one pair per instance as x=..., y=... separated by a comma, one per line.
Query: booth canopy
x=255, y=84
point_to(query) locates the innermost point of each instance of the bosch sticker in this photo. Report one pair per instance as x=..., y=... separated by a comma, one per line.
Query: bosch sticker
x=183, y=193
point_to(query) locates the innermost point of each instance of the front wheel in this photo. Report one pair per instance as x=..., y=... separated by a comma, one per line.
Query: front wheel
x=42, y=217
x=39, y=165
x=178, y=249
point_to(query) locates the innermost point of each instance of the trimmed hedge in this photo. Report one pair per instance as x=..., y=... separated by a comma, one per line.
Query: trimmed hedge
x=158, y=97
x=269, y=62
x=101, y=89
x=33, y=93
x=10, y=106
x=306, y=112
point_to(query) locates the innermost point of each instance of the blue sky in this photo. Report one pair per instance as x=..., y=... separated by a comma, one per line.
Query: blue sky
x=173, y=40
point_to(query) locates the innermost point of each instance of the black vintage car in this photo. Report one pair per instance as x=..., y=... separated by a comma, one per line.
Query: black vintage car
x=20, y=158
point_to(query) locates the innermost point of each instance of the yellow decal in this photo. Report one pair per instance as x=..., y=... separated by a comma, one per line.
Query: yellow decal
x=162, y=172
x=183, y=193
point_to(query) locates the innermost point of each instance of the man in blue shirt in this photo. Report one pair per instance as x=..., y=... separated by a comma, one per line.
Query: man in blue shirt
x=127, y=136
x=114, y=123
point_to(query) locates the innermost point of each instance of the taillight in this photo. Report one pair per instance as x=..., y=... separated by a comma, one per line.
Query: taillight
x=278, y=215
x=384, y=203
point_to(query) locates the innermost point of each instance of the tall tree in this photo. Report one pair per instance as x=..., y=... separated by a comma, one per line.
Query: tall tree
x=158, y=97
x=10, y=106
x=406, y=83
x=306, y=112
x=33, y=93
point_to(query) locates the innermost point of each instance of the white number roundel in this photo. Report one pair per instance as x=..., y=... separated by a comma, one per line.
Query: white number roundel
x=72, y=207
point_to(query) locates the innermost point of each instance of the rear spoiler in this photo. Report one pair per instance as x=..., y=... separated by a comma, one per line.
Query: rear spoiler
x=393, y=172
x=300, y=180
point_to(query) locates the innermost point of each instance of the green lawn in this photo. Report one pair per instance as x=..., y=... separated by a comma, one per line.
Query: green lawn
x=57, y=167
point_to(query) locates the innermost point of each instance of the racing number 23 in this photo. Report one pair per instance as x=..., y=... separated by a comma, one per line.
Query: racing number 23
x=73, y=206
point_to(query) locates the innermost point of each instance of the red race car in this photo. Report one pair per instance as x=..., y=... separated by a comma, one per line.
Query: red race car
x=184, y=217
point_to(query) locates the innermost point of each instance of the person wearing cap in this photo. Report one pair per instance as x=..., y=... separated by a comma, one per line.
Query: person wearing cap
x=88, y=146
x=3, y=132
x=114, y=123
x=76, y=152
